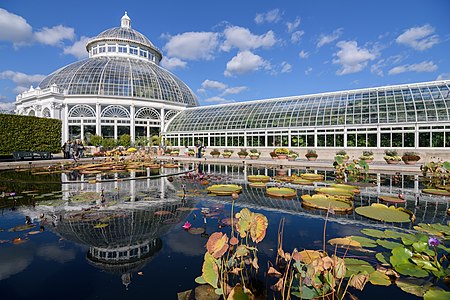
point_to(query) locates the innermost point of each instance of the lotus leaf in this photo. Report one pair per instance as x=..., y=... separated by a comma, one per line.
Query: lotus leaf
x=383, y=257
x=217, y=244
x=413, y=286
x=400, y=255
x=22, y=227
x=437, y=192
x=436, y=294
x=433, y=229
x=308, y=256
x=326, y=202
x=347, y=241
x=312, y=177
x=302, y=181
x=241, y=251
x=281, y=192
x=257, y=184
x=409, y=269
x=351, y=188
x=237, y=293
x=397, y=235
x=378, y=278
x=196, y=230
x=381, y=212
x=358, y=281
x=243, y=225
x=224, y=189
x=391, y=199
x=373, y=233
x=258, y=178
x=344, y=193
x=210, y=273
x=365, y=242
x=355, y=266
x=388, y=244
x=258, y=227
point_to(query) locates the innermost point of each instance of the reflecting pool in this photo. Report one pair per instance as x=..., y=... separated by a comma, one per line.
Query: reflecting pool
x=119, y=235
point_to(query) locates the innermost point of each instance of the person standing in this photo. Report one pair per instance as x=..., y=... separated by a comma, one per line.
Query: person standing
x=65, y=150
x=80, y=148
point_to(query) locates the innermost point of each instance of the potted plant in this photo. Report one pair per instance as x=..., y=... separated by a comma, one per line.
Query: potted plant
x=242, y=153
x=367, y=156
x=292, y=155
x=215, y=153
x=168, y=151
x=392, y=157
x=311, y=154
x=254, y=154
x=342, y=155
x=273, y=155
x=175, y=152
x=227, y=153
x=282, y=153
x=410, y=158
x=191, y=152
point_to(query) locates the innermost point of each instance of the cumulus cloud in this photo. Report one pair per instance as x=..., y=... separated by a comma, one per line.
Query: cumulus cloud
x=308, y=71
x=192, y=45
x=285, y=67
x=419, y=38
x=425, y=66
x=78, y=49
x=212, y=84
x=296, y=36
x=272, y=16
x=55, y=35
x=22, y=80
x=243, y=39
x=14, y=28
x=245, y=62
x=328, y=38
x=443, y=76
x=55, y=253
x=352, y=58
x=303, y=54
x=377, y=68
x=217, y=100
x=291, y=26
x=7, y=106
x=234, y=90
x=173, y=63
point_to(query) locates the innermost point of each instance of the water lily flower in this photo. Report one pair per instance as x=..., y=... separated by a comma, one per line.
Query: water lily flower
x=187, y=225
x=433, y=242
x=12, y=194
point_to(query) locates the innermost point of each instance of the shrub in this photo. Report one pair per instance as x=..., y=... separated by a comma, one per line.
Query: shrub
x=109, y=143
x=282, y=151
x=341, y=152
x=27, y=133
x=96, y=140
x=124, y=140
x=227, y=152
x=390, y=152
x=242, y=152
x=367, y=153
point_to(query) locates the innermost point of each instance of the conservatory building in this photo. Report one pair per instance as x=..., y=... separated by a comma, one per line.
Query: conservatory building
x=411, y=116
x=120, y=89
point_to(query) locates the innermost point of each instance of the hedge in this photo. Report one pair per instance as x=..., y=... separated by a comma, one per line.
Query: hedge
x=27, y=133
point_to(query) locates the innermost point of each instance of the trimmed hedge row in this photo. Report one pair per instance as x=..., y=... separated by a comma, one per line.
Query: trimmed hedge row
x=26, y=133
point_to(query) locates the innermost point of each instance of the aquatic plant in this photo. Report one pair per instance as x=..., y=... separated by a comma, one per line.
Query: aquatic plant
x=281, y=192
x=384, y=213
x=326, y=202
x=224, y=189
x=356, y=170
x=436, y=174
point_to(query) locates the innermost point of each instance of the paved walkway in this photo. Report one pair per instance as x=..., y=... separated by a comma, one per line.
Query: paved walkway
x=381, y=167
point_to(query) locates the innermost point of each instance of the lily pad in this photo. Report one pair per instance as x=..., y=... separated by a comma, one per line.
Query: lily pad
x=383, y=258
x=217, y=244
x=343, y=193
x=224, y=189
x=312, y=176
x=282, y=192
x=308, y=256
x=373, y=233
x=436, y=294
x=410, y=269
x=378, y=278
x=414, y=286
x=381, y=212
x=22, y=227
x=196, y=230
x=351, y=188
x=355, y=266
x=388, y=244
x=258, y=178
x=301, y=181
x=438, y=192
x=101, y=225
x=346, y=241
x=326, y=202
x=258, y=184
x=365, y=242
x=391, y=199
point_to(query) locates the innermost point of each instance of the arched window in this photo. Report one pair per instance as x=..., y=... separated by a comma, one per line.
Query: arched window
x=46, y=113
x=115, y=111
x=81, y=111
x=170, y=114
x=147, y=113
x=31, y=113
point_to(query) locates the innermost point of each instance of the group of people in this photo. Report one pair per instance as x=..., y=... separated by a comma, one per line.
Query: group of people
x=73, y=149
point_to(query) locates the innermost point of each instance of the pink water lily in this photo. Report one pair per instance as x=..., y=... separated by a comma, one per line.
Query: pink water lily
x=187, y=225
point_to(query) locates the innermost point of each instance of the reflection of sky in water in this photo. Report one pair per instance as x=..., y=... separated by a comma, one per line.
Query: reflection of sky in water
x=47, y=263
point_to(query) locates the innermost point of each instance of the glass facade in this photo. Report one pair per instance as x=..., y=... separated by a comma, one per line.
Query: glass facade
x=408, y=116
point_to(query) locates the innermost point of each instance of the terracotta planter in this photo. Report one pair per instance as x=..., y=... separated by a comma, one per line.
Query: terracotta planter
x=291, y=158
x=174, y=154
x=368, y=160
x=410, y=162
x=254, y=157
x=282, y=156
x=242, y=156
x=226, y=156
x=311, y=158
x=215, y=155
x=392, y=162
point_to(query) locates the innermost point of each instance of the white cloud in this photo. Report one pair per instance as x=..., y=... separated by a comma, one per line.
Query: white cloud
x=7, y=106
x=377, y=68
x=218, y=100
x=234, y=90
x=419, y=38
x=212, y=84
x=14, y=28
x=22, y=81
x=352, y=58
x=192, y=45
x=243, y=39
x=245, y=62
x=303, y=54
x=285, y=67
x=308, y=71
x=443, y=76
x=173, y=63
x=272, y=16
x=56, y=253
x=326, y=39
x=291, y=26
x=78, y=49
x=296, y=36
x=55, y=35
x=425, y=66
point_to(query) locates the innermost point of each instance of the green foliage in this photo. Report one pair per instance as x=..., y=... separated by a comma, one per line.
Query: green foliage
x=141, y=141
x=124, y=140
x=96, y=140
x=281, y=151
x=436, y=173
x=24, y=133
x=242, y=152
x=109, y=143
x=353, y=171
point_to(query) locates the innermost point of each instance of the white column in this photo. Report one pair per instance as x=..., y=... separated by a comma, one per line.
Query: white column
x=98, y=130
x=132, y=125
x=162, y=125
x=65, y=125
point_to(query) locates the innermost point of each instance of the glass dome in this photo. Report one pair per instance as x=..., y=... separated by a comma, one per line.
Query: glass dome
x=122, y=77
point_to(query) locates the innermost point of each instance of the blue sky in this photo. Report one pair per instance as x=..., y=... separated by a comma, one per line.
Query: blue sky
x=239, y=50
